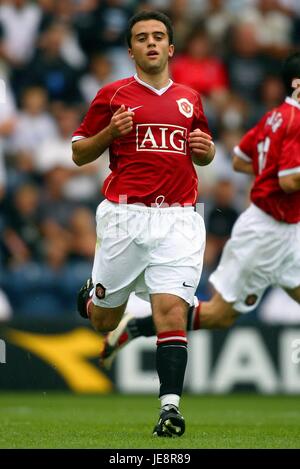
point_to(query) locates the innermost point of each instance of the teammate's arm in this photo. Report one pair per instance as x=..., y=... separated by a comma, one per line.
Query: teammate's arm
x=290, y=183
x=89, y=149
x=202, y=148
x=242, y=166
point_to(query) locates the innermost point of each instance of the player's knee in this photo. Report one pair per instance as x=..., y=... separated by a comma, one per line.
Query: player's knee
x=174, y=318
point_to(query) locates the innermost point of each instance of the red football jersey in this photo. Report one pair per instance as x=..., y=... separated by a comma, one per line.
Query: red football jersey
x=152, y=164
x=273, y=146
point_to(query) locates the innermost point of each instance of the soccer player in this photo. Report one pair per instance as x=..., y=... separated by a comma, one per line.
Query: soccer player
x=264, y=248
x=150, y=239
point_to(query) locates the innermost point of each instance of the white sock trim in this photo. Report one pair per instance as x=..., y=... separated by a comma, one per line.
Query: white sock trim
x=170, y=399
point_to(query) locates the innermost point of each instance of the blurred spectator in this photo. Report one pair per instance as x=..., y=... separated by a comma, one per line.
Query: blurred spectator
x=234, y=113
x=221, y=169
x=292, y=8
x=101, y=28
x=77, y=184
x=222, y=214
x=100, y=73
x=50, y=70
x=272, y=93
x=189, y=9
x=55, y=149
x=35, y=290
x=63, y=12
x=247, y=66
x=19, y=20
x=82, y=228
x=2, y=177
x=34, y=123
x=7, y=126
x=218, y=20
x=55, y=206
x=273, y=28
x=198, y=68
x=22, y=236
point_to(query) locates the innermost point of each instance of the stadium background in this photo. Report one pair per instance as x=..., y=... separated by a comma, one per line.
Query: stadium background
x=54, y=56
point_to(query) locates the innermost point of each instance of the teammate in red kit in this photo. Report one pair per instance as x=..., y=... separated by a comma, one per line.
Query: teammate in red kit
x=150, y=239
x=264, y=248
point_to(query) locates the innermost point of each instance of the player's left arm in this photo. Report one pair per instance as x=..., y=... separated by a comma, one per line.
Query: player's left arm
x=202, y=147
x=290, y=183
x=289, y=161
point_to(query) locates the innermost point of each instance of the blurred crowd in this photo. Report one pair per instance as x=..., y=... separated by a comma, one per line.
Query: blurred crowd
x=54, y=57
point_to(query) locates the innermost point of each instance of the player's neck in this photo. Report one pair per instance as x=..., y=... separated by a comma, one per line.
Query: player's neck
x=158, y=81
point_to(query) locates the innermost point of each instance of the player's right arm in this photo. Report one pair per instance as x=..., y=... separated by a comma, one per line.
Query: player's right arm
x=242, y=166
x=242, y=158
x=89, y=149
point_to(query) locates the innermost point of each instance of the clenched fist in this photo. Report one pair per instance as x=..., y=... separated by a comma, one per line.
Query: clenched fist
x=202, y=147
x=121, y=122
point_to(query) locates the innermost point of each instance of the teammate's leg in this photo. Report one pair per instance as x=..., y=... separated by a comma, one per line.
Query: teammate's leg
x=215, y=314
x=294, y=293
x=170, y=317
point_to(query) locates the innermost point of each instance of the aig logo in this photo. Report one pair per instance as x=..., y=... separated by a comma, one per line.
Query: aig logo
x=158, y=137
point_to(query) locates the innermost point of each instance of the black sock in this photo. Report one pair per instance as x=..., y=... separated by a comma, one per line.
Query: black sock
x=171, y=361
x=141, y=327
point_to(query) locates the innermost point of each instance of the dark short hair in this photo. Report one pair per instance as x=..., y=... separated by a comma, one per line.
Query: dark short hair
x=149, y=15
x=290, y=70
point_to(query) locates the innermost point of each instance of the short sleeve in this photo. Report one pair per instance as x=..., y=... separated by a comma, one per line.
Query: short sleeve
x=289, y=162
x=245, y=149
x=97, y=118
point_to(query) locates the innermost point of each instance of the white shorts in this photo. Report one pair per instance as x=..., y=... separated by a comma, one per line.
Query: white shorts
x=261, y=252
x=147, y=250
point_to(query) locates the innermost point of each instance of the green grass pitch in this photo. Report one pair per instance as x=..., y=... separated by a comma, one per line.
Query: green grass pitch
x=58, y=420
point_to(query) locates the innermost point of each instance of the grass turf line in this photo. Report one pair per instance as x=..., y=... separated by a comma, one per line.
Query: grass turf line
x=61, y=420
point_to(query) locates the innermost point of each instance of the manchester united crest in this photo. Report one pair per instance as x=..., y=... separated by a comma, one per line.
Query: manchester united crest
x=100, y=291
x=185, y=107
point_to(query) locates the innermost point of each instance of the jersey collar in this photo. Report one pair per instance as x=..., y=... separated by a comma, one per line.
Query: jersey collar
x=292, y=102
x=159, y=92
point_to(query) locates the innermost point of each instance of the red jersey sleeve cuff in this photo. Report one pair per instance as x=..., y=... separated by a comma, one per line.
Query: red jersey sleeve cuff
x=238, y=152
x=287, y=172
x=77, y=137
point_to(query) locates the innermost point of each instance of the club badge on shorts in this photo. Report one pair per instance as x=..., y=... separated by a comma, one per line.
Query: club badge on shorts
x=185, y=107
x=100, y=291
x=251, y=300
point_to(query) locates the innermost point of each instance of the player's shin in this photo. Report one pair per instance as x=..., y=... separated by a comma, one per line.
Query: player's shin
x=171, y=361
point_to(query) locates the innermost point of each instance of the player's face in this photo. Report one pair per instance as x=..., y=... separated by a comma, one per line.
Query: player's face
x=150, y=47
